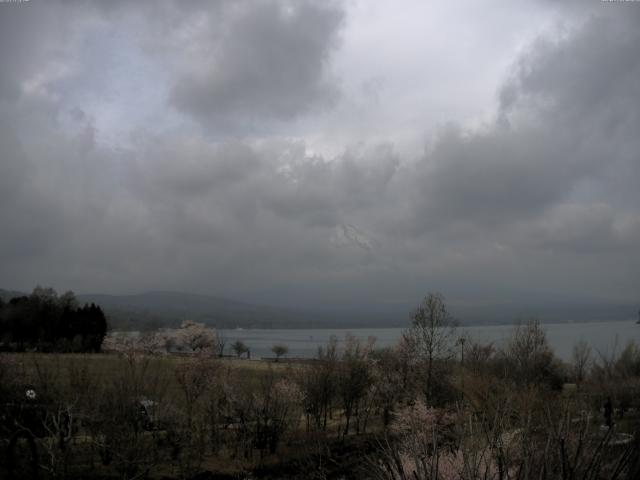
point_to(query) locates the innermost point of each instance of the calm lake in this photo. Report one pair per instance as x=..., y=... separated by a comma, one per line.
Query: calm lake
x=603, y=337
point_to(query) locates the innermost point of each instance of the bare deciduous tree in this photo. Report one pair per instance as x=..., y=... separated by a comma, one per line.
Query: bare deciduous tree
x=432, y=334
x=581, y=357
x=120, y=426
x=190, y=429
x=318, y=385
x=354, y=378
x=528, y=358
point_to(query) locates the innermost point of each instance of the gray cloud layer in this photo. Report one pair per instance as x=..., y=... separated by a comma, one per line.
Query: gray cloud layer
x=268, y=63
x=206, y=194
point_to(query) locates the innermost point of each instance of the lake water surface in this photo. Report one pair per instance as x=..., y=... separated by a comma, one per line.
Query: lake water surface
x=603, y=337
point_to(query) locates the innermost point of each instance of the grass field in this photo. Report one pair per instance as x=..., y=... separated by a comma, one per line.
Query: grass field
x=220, y=415
x=157, y=373
x=87, y=381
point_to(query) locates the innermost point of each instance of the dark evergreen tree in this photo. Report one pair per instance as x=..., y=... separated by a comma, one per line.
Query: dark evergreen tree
x=46, y=322
x=21, y=323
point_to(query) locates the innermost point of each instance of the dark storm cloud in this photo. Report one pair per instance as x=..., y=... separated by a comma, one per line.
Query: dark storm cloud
x=593, y=229
x=490, y=178
x=565, y=132
x=545, y=195
x=270, y=62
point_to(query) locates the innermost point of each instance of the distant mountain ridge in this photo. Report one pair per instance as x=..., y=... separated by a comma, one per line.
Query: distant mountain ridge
x=155, y=309
x=166, y=307
x=7, y=295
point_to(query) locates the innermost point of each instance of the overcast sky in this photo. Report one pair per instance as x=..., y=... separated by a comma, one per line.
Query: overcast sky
x=302, y=153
